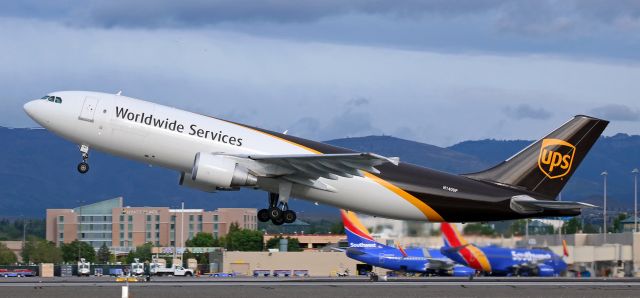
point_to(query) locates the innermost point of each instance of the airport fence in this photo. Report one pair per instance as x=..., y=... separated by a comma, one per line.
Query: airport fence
x=581, y=239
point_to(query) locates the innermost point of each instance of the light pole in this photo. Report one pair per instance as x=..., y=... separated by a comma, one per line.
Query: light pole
x=635, y=199
x=604, y=221
x=24, y=231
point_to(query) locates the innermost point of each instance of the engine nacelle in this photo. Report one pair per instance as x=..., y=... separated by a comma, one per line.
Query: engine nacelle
x=185, y=180
x=212, y=171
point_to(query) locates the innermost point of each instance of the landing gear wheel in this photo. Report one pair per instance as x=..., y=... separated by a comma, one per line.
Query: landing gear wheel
x=274, y=213
x=278, y=221
x=289, y=216
x=263, y=215
x=83, y=167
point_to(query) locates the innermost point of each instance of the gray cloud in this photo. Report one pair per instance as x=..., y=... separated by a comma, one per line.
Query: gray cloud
x=617, y=112
x=525, y=111
x=162, y=13
x=587, y=28
x=357, y=102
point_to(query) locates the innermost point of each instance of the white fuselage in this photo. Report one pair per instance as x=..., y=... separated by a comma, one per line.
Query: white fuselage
x=170, y=138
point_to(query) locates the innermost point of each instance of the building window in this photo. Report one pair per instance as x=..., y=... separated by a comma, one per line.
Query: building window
x=61, y=236
x=61, y=219
x=157, y=226
x=158, y=218
x=121, y=227
x=173, y=218
x=121, y=235
x=215, y=217
x=130, y=217
x=148, y=235
x=148, y=227
x=190, y=227
x=148, y=217
x=130, y=235
x=191, y=217
x=173, y=227
x=200, y=218
x=215, y=227
x=121, y=218
x=215, y=235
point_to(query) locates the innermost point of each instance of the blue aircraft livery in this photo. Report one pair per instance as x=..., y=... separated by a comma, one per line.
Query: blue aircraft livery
x=364, y=248
x=493, y=260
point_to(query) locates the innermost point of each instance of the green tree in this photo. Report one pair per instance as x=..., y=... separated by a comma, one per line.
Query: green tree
x=103, y=255
x=203, y=239
x=243, y=240
x=143, y=252
x=74, y=251
x=337, y=228
x=292, y=245
x=617, y=222
x=6, y=255
x=186, y=256
x=37, y=250
x=574, y=225
x=517, y=227
x=479, y=229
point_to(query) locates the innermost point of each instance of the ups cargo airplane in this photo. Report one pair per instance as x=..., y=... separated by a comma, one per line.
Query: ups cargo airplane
x=214, y=154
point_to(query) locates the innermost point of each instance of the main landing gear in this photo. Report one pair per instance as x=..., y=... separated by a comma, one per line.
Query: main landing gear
x=83, y=167
x=278, y=211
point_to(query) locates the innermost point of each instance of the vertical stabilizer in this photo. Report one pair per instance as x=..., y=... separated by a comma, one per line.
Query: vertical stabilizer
x=545, y=166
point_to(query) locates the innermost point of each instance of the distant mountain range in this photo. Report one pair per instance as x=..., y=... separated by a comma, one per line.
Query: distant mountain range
x=37, y=171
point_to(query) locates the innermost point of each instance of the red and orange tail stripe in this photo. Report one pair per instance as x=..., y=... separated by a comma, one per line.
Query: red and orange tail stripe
x=353, y=224
x=565, y=249
x=402, y=251
x=474, y=257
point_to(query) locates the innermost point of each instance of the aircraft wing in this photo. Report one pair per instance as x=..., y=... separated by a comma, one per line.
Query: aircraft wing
x=525, y=204
x=306, y=169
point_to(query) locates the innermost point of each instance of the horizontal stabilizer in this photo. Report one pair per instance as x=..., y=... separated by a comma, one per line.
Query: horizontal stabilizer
x=528, y=205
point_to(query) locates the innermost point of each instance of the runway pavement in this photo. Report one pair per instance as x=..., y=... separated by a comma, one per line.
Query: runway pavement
x=322, y=287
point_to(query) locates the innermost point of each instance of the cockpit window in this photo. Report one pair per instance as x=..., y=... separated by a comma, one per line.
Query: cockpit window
x=50, y=98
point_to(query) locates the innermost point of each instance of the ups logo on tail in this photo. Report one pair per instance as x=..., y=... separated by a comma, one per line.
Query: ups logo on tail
x=555, y=158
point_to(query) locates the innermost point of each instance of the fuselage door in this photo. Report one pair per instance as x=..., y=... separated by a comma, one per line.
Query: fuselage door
x=88, y=108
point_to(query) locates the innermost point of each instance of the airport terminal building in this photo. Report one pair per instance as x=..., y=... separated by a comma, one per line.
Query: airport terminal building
x=123, y=228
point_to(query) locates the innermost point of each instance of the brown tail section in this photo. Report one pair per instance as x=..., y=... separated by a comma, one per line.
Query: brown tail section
x=545, y=166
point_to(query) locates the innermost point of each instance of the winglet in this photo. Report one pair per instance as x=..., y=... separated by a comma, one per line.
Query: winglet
x=565, y=250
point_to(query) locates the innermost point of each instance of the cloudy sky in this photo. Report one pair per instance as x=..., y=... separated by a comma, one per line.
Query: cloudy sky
x=433, y=71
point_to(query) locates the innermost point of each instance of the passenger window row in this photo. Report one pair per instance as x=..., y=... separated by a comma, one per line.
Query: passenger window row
x=55, y=99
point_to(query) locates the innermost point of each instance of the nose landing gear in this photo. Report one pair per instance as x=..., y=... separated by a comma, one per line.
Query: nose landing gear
x=83, y=167
x=278, y=211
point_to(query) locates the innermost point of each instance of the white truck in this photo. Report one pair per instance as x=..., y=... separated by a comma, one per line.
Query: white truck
x=84, y=267
x=137, y=268
x=158, y=269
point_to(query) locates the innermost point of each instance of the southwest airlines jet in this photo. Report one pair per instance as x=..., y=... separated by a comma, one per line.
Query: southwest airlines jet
x=493, y=260
x=364, y=248
x=213, y=154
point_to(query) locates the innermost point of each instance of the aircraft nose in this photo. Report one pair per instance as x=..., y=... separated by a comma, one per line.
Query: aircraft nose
x=29, y=108
x=33, y=109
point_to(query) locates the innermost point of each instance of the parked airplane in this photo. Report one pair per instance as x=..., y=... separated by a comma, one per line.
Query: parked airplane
x=364, y=248
x=494, y=260
x=214, y=154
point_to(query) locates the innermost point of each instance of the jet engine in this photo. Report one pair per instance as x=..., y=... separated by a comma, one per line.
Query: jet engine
x=212, y=172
